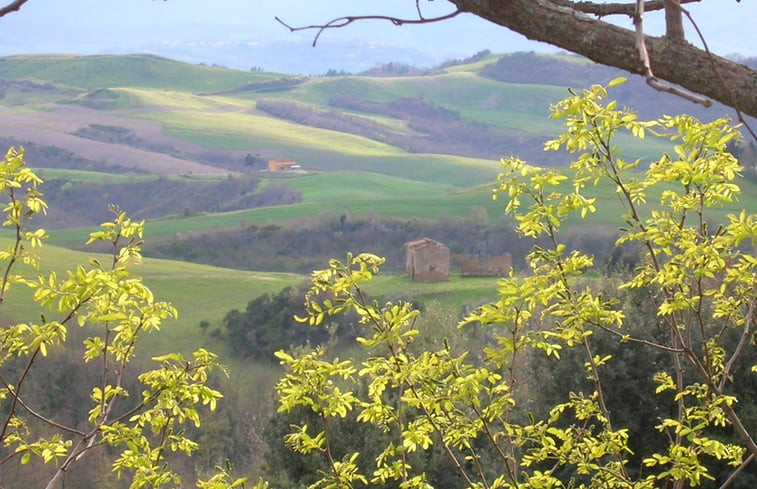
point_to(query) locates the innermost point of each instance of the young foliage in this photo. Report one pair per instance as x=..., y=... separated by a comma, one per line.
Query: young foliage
x=116, y=310
x=695, y=272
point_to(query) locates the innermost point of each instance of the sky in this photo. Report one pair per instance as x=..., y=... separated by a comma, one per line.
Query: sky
x=241, y=33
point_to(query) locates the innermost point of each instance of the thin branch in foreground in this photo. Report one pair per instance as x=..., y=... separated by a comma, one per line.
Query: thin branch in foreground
x=340, y=22
x=743, y=341
x=738, y=471
x=37, y=415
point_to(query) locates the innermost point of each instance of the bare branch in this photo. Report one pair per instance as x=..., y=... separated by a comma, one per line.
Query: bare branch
x=16, y=393
x=37, y=415
x=652, y=81
x=347, y=20
x=743, y=341
x=556, y=22
x=732, y=102
x=738, y=471
x=12, y=7
x=569, y=25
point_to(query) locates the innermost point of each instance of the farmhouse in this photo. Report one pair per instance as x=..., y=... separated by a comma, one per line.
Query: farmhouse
x=282, y=165
x=427, y=260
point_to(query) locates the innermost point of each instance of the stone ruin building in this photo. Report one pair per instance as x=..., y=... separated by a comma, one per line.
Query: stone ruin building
x=427, y=260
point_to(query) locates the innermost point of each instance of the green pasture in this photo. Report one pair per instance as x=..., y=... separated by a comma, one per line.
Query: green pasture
x=502, y=105
x=90, y=176
x=199, y=292
x=205, y=293
x=455, y=293
x=137, y=70
x=176, y=99
x=241, y=130
x=507, y=106
x=28, y=99
x=325, y=195
x=329, y=195
x=350, y=186
x=474, y=67
x=319, y=149
x=167, y=228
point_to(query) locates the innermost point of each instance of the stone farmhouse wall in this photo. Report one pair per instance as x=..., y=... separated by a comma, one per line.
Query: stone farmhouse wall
x=427, y=260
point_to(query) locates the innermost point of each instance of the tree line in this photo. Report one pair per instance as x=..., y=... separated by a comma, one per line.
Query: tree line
x=301, y=247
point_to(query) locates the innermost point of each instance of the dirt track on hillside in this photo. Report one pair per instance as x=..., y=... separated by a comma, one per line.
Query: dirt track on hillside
x=53, y=127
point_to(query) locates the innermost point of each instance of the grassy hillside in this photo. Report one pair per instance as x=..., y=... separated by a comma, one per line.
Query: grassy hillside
x=366, y=195
x=182, y=113
x=360, y=194
x=180, y=98
x=199, y=292
x=89, y=176
x=138, y=70
x=163, y=137
x=204, y=293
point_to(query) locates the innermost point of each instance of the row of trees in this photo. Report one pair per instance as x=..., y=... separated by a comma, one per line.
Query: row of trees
x=86, y=203
x=304, y=246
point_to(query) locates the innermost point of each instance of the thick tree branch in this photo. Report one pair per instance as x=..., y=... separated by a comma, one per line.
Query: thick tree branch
x=674, y=61
x=733, y=101
x=623, y=8
x=12, y=7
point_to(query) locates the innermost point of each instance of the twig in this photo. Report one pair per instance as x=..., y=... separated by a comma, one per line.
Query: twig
x=17, y=250
x=745, y=335
x=37, y=415
x=340, y=22
x=736, y=472
x=17, y=392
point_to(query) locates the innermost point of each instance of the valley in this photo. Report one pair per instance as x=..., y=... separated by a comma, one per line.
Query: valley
x=384, y=159
x=183, y=146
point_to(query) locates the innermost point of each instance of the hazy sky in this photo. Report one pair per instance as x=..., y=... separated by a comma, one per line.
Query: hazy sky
x=103, y=26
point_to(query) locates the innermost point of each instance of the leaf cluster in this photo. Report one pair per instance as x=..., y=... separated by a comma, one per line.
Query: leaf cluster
x=115, y=310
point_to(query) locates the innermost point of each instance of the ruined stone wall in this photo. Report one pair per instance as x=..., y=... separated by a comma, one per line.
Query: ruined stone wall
x=471, y=265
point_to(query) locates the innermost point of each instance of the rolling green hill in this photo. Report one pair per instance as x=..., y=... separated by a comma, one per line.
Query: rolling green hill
x=384, y=159
x=138, y=70
x=199, y=292
x=372, y=147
